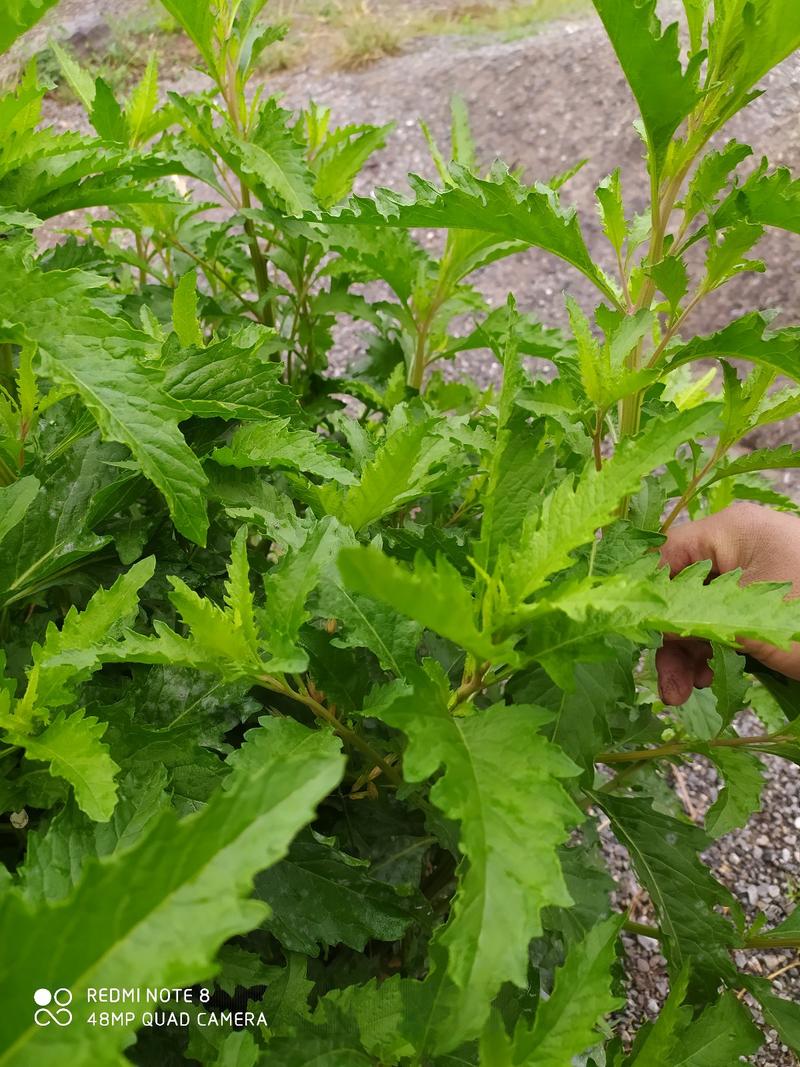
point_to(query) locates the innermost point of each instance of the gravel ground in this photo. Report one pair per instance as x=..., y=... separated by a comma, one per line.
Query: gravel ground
x=544, y=102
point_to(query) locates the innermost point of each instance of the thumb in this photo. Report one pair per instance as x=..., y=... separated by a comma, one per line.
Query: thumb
x=714, y=538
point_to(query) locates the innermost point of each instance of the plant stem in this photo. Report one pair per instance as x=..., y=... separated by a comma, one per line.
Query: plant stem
x=790, y=941
x=346, y=734
x=259, y=262
x=140, y=255
x=642, y=930
x=231, y=92
x=673, y=329
x=691, y=488
x=209, y=268
x=6, y=361
x=597, y=440
x=470, y=686
x=662, y=204
x=417, y=372
x=623, y=276
x=678, y=748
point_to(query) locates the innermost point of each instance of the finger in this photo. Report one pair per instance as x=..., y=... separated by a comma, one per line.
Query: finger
x=703, y=675
x=731, y=538
x=690, y=543
x=699, y=652
x=785, y=661
x=676, y=672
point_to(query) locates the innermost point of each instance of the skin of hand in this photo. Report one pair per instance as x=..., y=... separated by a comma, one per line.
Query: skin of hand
x=765, y=544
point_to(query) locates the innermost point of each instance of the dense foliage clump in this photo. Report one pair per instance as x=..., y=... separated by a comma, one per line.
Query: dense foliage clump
x=317, y=684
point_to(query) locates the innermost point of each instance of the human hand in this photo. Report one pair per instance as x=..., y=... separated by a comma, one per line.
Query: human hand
x=765, y=544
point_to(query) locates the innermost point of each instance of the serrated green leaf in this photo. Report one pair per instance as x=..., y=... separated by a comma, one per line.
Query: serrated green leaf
x=789, y=926
x=784, y=457
x=214, y=642
x=341, y=159
x=604, y=371
x=665, y=93
x=275, y=160
x=783, y=1015
x=723, y=1034
x=671, y=277
x=320, y=896
x=53, y=537
x=740, y=797
x=174, y=718
x=363, y=622
x=464, y=150
x=215, y=1047
x=590, y=886
x=400, y=471
x=322, y=1051
x=376, y=1012
x=501, y=207
x=236, y=378
x=274, y=444
x=15, y=499
x=712, y=176
x=184, y=311
x=723, y=609
x=432, y=593
x=287, y=995
x=582, y=713
x=569, y=517
x=565, y=1023
x=530, y=336
x=78, y=79
x=749, y=38
x=767, y=199
x=696, y=11
x=520, y=461
x=656, y=1043
x=198, y=20
x=271, y=161
x=57, y=857
x=376, y=251
x=106, y=115
x=142, y=103
x=631, y=601
x=238, y=594
x=558, y=642
x=494, y=760
x=157, y=913
x=746, y=338
x=19, y=16
x=71, y=745
x=729, y=685
x=725, y=259
x=289, y=585
x=72, y=654
x=612, y=209
x=81, y=344
x=684, y=892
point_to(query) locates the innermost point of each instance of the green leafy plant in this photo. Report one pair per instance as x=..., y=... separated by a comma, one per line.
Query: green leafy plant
x=319, y=681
